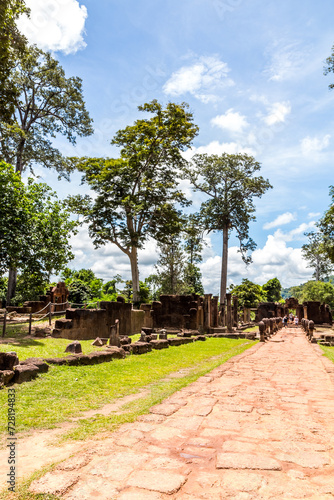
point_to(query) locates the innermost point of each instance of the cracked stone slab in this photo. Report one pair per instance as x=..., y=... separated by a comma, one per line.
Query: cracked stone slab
x=246, y=461
x=157, y=480
x=54, y=483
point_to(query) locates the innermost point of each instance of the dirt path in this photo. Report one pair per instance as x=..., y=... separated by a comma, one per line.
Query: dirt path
x=261, y=426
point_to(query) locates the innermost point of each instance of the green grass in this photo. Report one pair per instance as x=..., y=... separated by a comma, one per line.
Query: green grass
x=66, y=391
x=329, y=352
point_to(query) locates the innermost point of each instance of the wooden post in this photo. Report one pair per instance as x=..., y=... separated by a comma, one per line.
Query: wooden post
x=30, y=320
x=50, y=315
x=4, y=324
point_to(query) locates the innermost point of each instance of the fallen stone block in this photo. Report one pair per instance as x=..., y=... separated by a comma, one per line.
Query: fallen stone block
x=116, y=352
x=159, y=344
x=125, y=340
x=2, y=380
x=74, y=347
x=6, y=376
x=25, y=373
x=8, y=360
x=187, y=340
x=58, y=361
x=97, y=342
x=175, y=341
x=140, y=347
x=201, y=338
x=40, y=363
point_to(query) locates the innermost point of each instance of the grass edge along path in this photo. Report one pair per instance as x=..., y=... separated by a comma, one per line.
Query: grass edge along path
x=159, y=391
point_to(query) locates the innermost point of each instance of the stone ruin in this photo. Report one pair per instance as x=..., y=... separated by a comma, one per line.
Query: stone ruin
x=311, y=310
x=190, y=313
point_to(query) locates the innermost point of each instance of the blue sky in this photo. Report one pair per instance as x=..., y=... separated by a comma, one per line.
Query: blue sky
x=252, y=73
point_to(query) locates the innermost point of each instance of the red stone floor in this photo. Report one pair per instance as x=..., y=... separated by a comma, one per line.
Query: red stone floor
x=261, y=426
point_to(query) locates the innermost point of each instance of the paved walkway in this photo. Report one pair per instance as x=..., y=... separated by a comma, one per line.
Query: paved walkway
x=261, y=426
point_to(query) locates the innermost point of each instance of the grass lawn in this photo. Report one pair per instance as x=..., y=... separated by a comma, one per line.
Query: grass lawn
x=329, y=352
x=66, y=391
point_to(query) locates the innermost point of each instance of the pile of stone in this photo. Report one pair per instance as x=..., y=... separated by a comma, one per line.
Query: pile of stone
x=13, y=371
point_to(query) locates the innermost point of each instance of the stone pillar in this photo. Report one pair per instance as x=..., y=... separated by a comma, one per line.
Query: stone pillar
x=214, y=317
x=114, y=334
x=229, y=319
x=305, y=312
x=207, y=311
x=235, y=311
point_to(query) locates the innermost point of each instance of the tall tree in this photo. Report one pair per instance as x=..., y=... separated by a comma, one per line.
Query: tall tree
x=315, y=253
x=228, y=181
x=272, y=290
x=46, y=104
x=170, y=267
x=193, y=245
x=136, y=194
x=12, y=46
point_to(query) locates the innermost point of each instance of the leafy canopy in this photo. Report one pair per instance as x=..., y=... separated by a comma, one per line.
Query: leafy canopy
x=248, y=293
x=272, y=290
x=47, y=103
x=228, y=181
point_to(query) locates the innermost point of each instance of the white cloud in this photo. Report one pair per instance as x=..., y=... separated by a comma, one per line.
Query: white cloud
x=278, y=111
x=280, y=220
x=314, y=215
x=232, y=121
x=56, y=25
x=287, y=60
x=295, y=234
x=275, y=259
x=201, y=79
x=314, y=145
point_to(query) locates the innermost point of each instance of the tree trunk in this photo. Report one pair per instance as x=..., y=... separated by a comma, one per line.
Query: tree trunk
x=317, y=267
x=135, y=275
x=12, y=278
x=223, y=281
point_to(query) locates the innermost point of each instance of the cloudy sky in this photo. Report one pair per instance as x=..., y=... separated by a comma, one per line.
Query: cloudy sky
x=252, y=72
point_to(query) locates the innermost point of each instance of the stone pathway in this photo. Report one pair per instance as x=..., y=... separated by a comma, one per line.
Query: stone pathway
x=261, y=426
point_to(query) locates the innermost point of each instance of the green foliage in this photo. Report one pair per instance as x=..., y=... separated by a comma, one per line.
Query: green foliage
x=272, y=290
x=314, y=290
x=46, y=104
x=170, y=267
x=248, y=293
x=192, y=277
x=83, y=285
x=79, y=292
x=315, y=251
x=326, y=227
x=12, y=46
x=136, y=194
x=14, y=218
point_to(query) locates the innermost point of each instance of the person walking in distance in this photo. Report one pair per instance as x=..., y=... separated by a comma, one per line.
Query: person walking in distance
x=285, y=321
